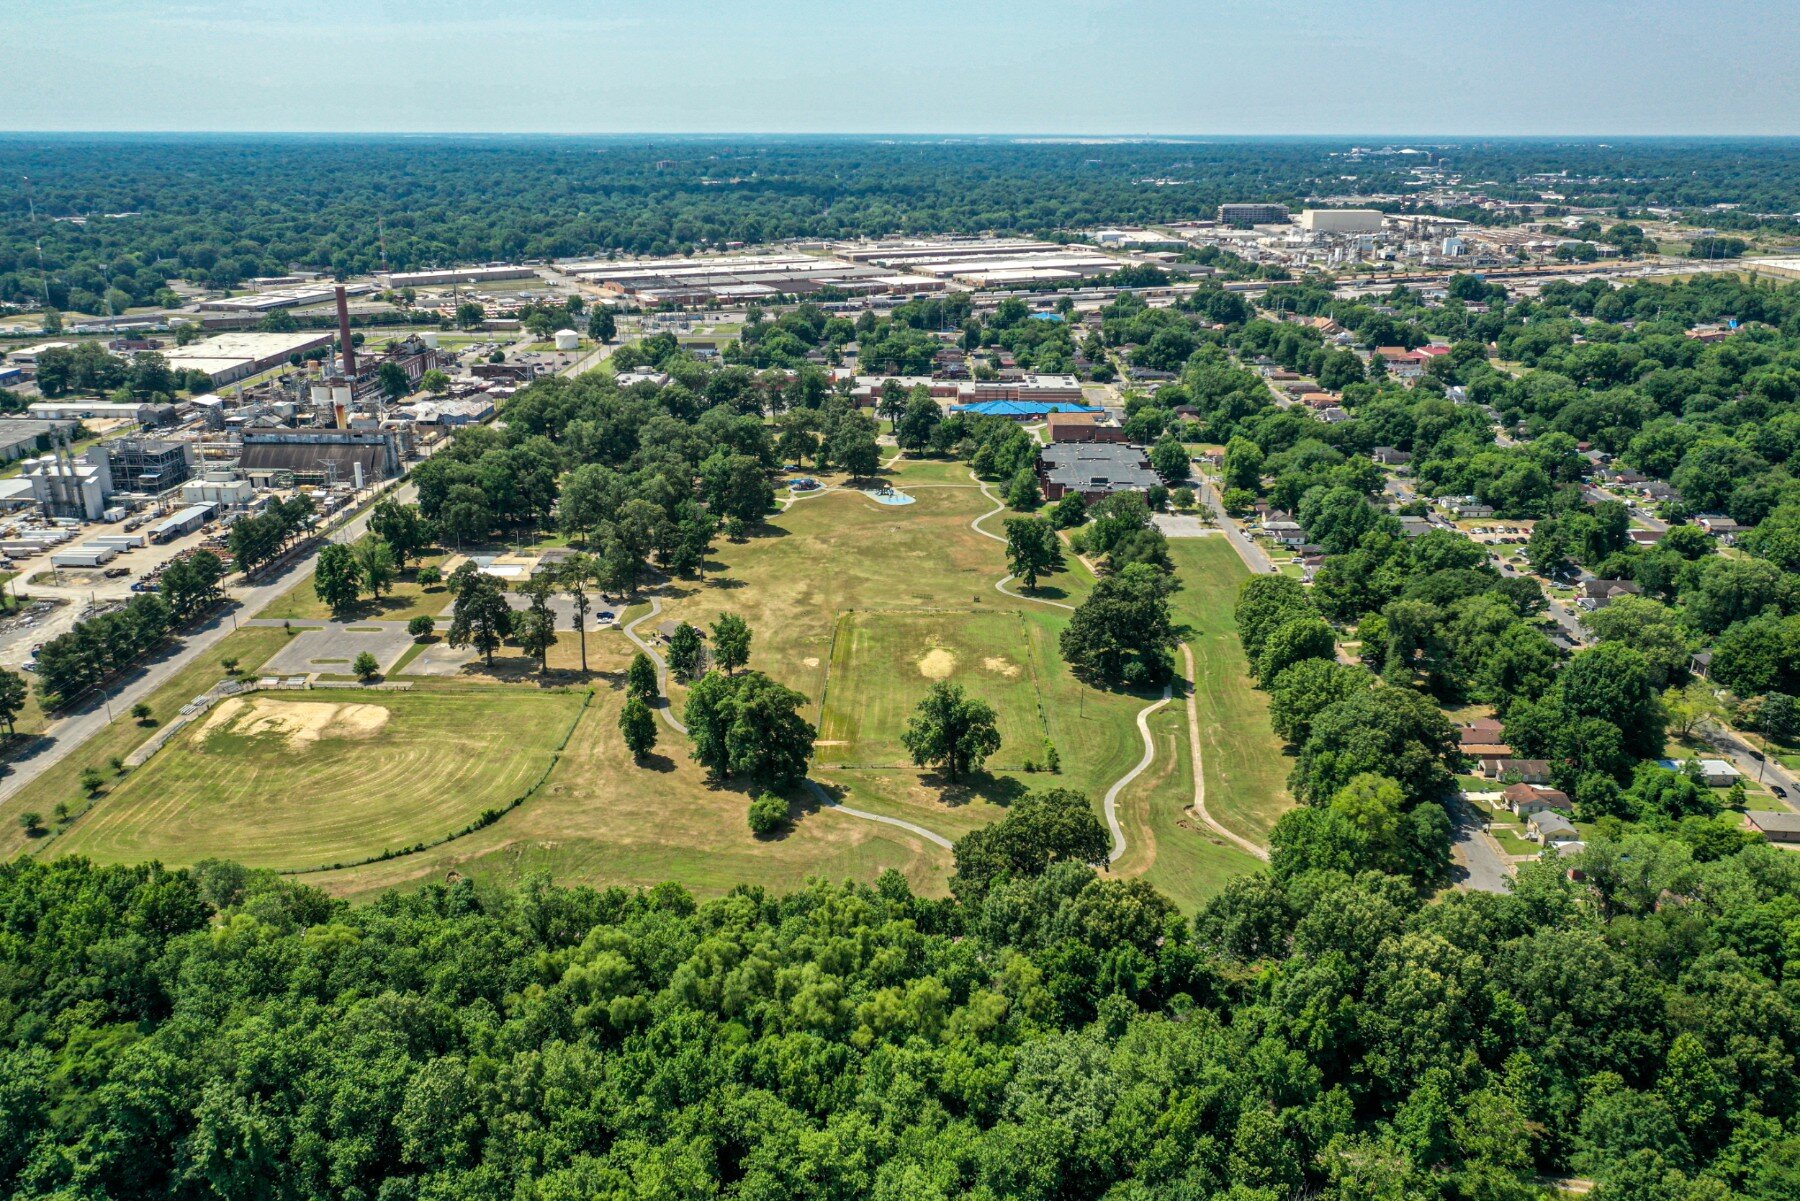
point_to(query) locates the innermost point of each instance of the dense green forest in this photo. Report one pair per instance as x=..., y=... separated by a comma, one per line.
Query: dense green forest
x=1048, y=1033
x=218, y=210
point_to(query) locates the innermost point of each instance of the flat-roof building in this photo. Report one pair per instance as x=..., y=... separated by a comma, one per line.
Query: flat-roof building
x=1342, y=221
x=228, y=357
x=1094, y=469
x=459, y=275
x=1252, y=214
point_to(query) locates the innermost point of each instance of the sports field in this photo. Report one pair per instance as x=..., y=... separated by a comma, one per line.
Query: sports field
x=299, y=779
x=884, y=663
x=604, y=819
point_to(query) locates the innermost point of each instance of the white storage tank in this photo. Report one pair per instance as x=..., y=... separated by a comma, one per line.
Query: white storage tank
x=568, y=339
x=430, y=338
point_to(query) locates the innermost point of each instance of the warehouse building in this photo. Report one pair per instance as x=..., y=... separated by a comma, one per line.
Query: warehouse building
x=235, y=356
x=23, y=436
x=458, y=275
x=287, y=298
x=1252, y=214
x=1342, y=221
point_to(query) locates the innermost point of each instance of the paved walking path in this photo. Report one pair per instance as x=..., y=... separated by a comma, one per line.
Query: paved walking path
x=667, y=708
x=1110, y=805
x=1000, y=584
x=1200, y=810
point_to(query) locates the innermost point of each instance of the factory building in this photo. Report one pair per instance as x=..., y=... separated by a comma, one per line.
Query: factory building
x=458, y=275
x=22, y=436
x=324, y=456
x=1252, y=214
x=65, y=486
x=268, y=302
x=739, y=278
x=1342, y=221
x=147, y=464
x=234, y=356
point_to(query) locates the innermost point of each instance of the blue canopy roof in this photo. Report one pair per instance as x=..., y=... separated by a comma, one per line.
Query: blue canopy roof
x=1023, y=408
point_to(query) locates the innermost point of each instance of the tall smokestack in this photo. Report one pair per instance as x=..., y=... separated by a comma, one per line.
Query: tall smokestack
x=344, y=333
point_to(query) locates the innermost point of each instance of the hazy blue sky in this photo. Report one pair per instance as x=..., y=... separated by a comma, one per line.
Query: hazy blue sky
x=953, y=66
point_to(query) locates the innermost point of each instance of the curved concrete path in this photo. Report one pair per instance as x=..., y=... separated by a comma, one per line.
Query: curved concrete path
x=1000, y=584
x=667, y=708
x=1200, y=811
x=1112, y=794
x=825, y=800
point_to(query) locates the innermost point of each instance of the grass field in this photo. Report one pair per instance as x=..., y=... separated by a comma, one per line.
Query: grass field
x=603, y=819
x=294, y=780
x=883, y=664
x=905, y=591
x=1246, y=768
x=250, y=645
x=1165, y=842
x=407, y=600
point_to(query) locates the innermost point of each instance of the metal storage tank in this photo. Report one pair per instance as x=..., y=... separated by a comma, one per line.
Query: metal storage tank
x=568, y=339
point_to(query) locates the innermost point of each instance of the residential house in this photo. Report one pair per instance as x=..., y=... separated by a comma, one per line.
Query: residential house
x=1527, y=799
x=1719, y=526
x=1530, y=771
x=1776, y=826
x=1551, y=827
x=1714, y=773
x=1597, y=594
x=1288, y=533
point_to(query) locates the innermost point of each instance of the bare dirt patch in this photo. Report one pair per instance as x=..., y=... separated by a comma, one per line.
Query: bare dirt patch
x=1000, y=666
x=937, y=664
x=301, y=723
x=810, y=662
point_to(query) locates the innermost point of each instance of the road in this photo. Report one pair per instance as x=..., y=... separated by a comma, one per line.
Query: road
x=1252, y=554
x=1479, y=865
x=64, y=735
x=1734, y=746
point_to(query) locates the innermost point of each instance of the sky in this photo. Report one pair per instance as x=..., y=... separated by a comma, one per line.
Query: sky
x=1094, y=67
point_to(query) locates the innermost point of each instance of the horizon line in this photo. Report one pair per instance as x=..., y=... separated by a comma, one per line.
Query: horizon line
x=885, y=134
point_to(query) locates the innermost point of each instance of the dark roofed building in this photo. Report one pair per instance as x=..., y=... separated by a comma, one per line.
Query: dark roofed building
x=323, y=455
x=1094, y=469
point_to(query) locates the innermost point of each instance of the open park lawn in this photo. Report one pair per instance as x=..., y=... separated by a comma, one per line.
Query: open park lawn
x=1165, y=843
x=250, y=645
x=407, y=599
x=602, y=819
x=858, y=605
x=300, y=779
x=1246, y=769
x=883, y=664
x=840, y=551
